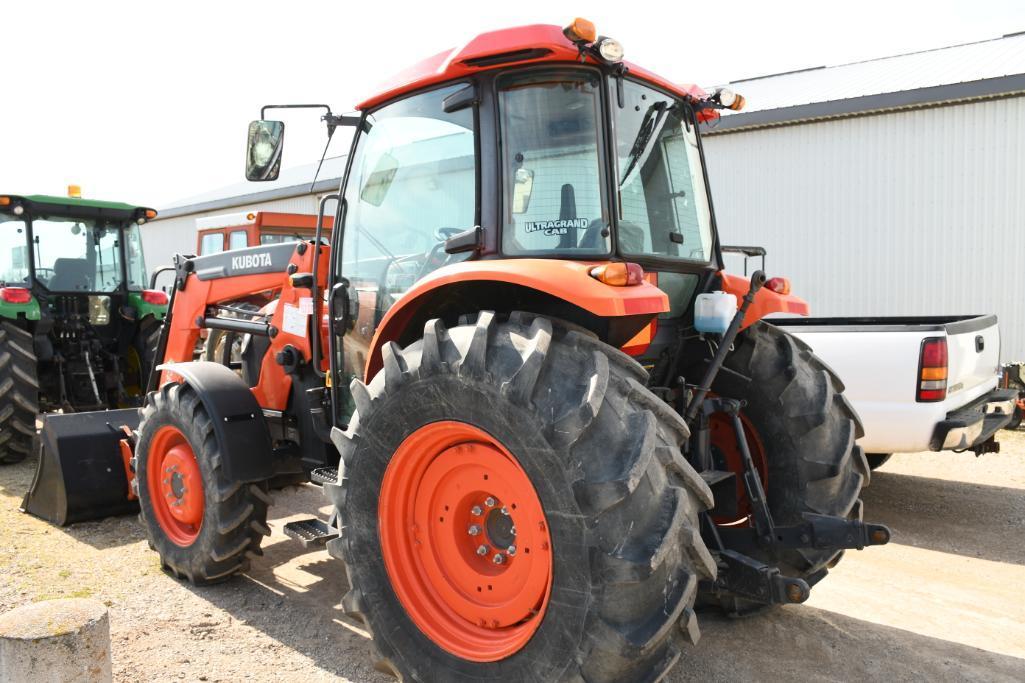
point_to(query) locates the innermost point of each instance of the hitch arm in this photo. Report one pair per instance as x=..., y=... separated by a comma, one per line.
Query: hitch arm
x=822, y=532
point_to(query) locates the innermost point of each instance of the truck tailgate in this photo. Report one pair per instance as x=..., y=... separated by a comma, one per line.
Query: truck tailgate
x=878, y=360
x=973, y=350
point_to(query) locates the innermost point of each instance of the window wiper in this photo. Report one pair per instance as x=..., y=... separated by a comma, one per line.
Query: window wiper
x=654, y=120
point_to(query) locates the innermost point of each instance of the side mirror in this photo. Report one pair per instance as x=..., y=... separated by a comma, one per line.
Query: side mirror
x=523, y=187
x=263, y=152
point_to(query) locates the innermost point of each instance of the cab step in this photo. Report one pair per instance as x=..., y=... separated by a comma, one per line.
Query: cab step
x=324, y=475
x=312, y=532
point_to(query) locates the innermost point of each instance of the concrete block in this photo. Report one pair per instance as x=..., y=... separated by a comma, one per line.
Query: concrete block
x=56, y=641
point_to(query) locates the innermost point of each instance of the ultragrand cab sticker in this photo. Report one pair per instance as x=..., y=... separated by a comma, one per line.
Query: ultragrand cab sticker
x=557, y=227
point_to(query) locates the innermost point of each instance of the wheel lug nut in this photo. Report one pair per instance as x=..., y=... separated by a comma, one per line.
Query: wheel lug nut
x=512, y=531
x=490, y=502
x=511, y=550
x=476, y=511
x=473, y=530
x=505, y=511
x=499, y=558
x=482, y=550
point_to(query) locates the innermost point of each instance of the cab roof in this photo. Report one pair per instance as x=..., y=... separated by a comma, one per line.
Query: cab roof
x=534, y=44
x=71, y=205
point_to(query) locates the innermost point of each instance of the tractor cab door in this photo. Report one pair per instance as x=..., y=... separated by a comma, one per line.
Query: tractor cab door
x=410, y=184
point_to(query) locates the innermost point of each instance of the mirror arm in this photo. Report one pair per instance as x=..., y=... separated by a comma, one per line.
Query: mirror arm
x=333, y=122
x=264, y=108
x=329, y=118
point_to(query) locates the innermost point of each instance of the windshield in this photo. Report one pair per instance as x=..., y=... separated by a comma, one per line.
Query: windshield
x=82, y=254
x=552, y=170
x=663, y=203
x=13, y=250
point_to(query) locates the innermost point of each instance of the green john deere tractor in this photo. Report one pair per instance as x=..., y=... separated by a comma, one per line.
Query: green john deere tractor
x=78, y=327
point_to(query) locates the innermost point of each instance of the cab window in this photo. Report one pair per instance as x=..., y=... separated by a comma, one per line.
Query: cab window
x=238, y=239
x=663, y=202
x=211, y=243
x=412, y=185
x=551, y=165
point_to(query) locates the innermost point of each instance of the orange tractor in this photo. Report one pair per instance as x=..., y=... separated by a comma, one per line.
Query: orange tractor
x=515, y=496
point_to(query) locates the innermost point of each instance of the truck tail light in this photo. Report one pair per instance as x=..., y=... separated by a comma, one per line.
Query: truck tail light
x=932, y=370
x=154, y=297
x=15, y=295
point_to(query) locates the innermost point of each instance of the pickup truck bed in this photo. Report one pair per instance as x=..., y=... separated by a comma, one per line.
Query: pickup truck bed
x=883, y=363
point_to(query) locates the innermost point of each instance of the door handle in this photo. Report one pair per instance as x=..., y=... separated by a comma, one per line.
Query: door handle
x=980, y=344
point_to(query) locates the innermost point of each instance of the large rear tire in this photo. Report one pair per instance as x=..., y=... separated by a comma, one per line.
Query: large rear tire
x=796, y=406
x=616, y=530
x=204, y=526
x=19, y=393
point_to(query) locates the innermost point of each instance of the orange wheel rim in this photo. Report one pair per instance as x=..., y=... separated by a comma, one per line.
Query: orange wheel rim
x=175, y=486
x=726, y=455
x=465, y=541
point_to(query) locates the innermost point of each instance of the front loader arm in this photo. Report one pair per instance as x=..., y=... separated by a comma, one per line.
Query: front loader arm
x=207, y=282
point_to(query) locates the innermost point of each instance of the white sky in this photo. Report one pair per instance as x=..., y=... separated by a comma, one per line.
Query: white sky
x=148, y=103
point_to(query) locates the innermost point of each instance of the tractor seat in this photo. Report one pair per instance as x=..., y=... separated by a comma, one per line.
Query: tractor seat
x=70, y=275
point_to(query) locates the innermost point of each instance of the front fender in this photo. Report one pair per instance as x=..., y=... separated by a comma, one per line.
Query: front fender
x=239, y=425
x=566, y=281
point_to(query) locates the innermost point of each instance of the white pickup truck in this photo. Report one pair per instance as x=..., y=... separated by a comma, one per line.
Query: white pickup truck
x=925, y=383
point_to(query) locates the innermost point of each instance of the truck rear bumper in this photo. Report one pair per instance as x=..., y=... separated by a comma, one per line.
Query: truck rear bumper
x=973, y=425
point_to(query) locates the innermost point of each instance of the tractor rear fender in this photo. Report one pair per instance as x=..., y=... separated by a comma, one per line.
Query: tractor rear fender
x=560, y=289
x=766, y=301
x=241, y=430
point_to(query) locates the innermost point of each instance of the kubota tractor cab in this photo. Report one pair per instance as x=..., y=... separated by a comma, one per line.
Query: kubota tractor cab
x=78, y=326
x=548, y=423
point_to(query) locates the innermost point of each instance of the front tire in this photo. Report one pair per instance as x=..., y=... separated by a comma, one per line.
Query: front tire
x=19, y=393
x=617, y=539
x=204, y=526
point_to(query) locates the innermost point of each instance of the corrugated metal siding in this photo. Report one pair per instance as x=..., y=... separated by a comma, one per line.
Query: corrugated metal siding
x=163, y=238
x=910, y=213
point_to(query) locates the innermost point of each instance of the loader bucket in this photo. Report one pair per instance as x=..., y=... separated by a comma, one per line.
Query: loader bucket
x=81, y=473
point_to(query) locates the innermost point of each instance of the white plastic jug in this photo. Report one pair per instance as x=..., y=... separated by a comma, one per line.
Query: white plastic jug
x=714, y=311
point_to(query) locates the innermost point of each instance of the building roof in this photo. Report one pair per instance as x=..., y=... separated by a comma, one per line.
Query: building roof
x=984, y=69
x=293, y=182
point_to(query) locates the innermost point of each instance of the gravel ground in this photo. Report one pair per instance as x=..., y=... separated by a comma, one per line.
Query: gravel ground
x=943, y=601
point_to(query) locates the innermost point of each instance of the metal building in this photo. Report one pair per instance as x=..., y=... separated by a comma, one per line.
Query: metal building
x=893, y=186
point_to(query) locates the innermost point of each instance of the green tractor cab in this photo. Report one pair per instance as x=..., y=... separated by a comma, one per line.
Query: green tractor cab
x=77, y=324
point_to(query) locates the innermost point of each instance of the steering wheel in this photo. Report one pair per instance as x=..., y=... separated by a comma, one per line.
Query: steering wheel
x=434, y=256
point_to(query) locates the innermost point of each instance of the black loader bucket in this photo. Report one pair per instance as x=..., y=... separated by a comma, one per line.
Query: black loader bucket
x=81, y=473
